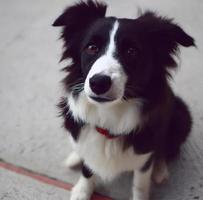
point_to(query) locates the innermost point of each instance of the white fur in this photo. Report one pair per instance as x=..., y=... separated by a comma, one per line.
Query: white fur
x=72, y=160
x=108, y=65
x=141, y=184
x=106, y=157
x=112, y=46
x=120, y=117
x=83, y=189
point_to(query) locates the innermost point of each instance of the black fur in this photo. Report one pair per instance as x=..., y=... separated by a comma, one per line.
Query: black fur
x=148, y=164
x=179, y=129
x=86, y=171
x=155, y=40
x=70, y=123
x=164, y=131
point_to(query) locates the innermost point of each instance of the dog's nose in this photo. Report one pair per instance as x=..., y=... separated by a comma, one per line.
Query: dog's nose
x=100, y=83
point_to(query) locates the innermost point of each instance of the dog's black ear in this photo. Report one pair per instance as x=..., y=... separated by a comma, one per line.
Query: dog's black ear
x=164, y=33
x=180, y=36
x=81, y=13
x=163, y=37
x=75, y=21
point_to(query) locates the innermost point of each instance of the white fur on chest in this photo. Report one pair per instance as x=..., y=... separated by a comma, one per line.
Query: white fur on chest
x=119, y=118
x=106, y=157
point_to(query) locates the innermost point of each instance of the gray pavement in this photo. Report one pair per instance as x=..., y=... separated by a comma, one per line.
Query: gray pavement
x=31, y=134
x=19, y=187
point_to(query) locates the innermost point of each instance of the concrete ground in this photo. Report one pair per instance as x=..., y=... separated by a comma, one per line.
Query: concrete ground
x=33, y=145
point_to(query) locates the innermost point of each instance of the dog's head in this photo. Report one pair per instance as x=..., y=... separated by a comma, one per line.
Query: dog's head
x=115, y=59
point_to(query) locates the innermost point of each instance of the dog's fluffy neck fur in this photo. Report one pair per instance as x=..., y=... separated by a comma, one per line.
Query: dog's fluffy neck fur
x=119, y=118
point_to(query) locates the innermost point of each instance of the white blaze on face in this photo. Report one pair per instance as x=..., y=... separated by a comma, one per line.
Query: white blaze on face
x=108, y=65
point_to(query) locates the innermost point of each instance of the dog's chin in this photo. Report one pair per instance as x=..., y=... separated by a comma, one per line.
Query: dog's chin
x=102, y=100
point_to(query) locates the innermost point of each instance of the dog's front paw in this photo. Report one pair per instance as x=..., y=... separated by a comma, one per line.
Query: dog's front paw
x=73, y=160
x=79, y=195
x=140, y=196
x=160, y=173
x=82, y=190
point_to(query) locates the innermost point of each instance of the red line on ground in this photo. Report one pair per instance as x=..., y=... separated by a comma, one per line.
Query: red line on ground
x=44, y=179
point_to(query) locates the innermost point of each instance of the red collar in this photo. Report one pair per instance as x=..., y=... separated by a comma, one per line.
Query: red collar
x=105, y=132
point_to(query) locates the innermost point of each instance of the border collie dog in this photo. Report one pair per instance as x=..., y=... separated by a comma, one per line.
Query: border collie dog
x=118, y=106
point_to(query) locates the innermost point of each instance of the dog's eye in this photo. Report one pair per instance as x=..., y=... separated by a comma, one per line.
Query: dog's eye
x=92, y=49
x=131, y=51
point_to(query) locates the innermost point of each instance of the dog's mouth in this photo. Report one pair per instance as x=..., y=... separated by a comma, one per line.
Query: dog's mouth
x=102, y=99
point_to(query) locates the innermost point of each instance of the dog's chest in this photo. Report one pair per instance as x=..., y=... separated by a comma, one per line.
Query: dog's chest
x=120, y=118
x=106, y=157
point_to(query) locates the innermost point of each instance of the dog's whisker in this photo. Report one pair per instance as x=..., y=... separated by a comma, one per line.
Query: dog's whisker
x=78, y=87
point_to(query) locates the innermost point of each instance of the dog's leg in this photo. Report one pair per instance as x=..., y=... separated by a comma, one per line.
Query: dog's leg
x=73, y=160
x=141, y=184
x=160, y=172
x=85, y=186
